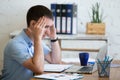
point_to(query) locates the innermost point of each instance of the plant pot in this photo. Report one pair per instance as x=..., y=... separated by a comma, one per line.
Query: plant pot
x=95, y=28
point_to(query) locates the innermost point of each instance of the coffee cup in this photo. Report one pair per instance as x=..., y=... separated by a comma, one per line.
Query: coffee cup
x=83, y=56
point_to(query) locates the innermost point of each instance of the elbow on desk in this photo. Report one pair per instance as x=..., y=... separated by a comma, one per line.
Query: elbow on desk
x=38, y=71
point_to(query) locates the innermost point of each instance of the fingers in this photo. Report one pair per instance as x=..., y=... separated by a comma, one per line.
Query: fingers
x=41, y=23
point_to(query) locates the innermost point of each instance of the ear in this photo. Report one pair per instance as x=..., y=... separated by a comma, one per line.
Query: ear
x=32, y=23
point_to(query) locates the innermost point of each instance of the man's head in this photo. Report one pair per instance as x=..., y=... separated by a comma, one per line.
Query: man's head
x=36, y=12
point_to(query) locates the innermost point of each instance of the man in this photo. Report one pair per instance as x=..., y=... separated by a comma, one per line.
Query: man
x=25, y=54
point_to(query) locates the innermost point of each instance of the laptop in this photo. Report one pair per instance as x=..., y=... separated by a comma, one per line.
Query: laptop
x=90, y=68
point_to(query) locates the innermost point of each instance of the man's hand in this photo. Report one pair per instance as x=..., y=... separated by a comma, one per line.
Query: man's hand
x=39, y=28
x=52, y=32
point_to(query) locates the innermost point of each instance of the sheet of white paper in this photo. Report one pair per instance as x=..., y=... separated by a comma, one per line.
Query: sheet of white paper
x=58, y=76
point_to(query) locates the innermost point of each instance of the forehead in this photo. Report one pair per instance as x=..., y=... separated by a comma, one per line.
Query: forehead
x=49, y=22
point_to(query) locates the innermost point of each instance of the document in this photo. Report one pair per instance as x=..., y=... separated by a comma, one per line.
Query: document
x=56, y=67
x=59, y=76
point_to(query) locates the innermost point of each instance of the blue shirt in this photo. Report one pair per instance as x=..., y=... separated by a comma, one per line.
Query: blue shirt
x=18, y=50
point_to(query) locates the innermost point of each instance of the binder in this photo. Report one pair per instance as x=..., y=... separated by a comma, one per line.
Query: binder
x=71, y=18
x=64, y=18
x=74, y=25
x=58, y=18
x=53, y=9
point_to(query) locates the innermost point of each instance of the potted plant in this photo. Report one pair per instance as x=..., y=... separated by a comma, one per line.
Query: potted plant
x=96, y=26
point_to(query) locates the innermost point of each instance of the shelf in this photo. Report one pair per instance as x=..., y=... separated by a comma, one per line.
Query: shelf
x=86, y=41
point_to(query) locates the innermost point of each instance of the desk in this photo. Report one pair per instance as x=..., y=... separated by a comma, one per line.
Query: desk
x=114, y=74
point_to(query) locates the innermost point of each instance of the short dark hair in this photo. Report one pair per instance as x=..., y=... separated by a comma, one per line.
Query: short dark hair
x=35, y=12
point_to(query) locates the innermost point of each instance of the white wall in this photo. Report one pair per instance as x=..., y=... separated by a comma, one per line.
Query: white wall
x=13, y=17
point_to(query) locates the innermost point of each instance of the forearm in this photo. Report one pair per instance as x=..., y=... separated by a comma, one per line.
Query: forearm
x=56, y=52
x=38, y=57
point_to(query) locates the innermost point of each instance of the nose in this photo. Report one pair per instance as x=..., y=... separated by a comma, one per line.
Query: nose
x=46, y=30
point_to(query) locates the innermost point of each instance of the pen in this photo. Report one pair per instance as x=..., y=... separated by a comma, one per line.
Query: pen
x=102, y=67
x=107, y=63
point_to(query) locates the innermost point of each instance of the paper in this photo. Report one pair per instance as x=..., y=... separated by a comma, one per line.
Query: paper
x=59, y=76
x=56, y=67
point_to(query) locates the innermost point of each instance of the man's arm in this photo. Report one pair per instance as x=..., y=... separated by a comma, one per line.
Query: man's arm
x=36, y=63
x=55, y=55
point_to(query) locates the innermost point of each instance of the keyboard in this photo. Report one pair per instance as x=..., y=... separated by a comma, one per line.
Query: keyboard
x=86, y=68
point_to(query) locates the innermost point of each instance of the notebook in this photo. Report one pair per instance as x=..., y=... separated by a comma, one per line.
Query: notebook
x=56, y=67
x=90, y=68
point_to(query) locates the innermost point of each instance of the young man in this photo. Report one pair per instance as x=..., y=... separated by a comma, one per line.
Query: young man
x=25, y=54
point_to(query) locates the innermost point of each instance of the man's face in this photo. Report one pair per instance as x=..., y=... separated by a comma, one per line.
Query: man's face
x=49, y=24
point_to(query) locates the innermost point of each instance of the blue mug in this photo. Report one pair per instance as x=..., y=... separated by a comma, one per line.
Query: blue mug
x=84, y=56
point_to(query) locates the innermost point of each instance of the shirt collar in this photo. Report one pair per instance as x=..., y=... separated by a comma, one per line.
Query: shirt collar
x=26, y=38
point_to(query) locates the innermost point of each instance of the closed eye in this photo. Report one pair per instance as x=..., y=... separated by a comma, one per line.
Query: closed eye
x=46, y=26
